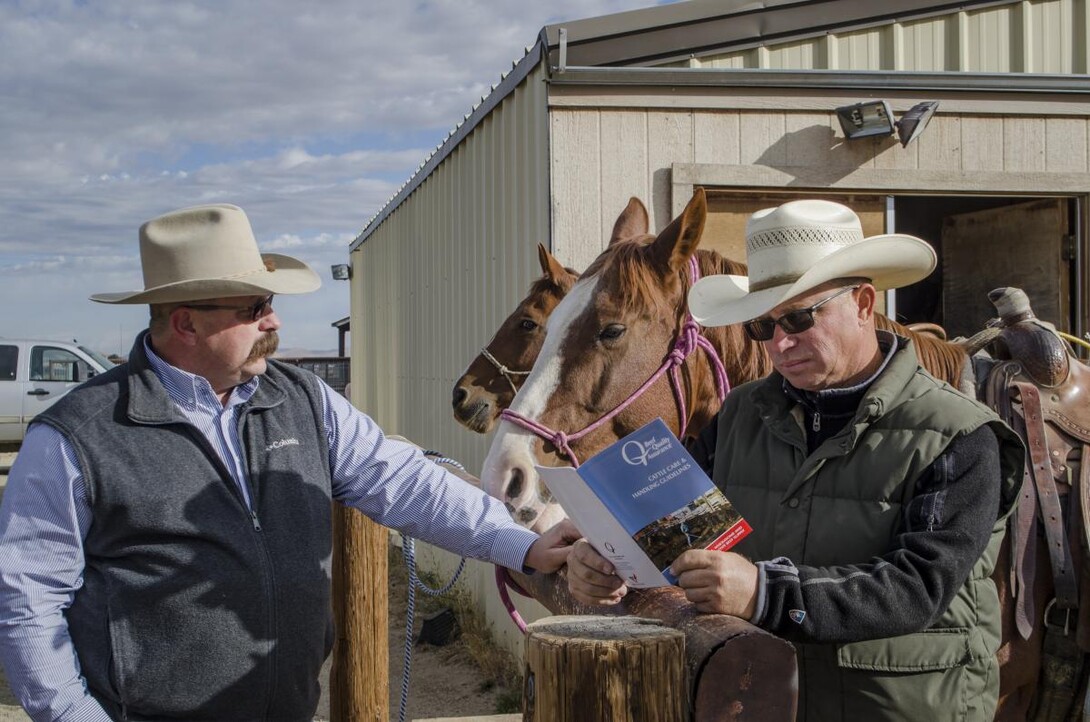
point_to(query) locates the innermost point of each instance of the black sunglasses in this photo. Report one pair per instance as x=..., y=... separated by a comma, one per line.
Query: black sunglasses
x=797, y=321
x=253, y=312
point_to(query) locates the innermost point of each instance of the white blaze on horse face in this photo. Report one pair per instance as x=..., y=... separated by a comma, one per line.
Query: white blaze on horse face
x=508, y=472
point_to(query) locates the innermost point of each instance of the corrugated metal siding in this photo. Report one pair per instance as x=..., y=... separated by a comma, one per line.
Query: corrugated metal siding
x=435, y=280
x=601, y=156
x=1035, y=36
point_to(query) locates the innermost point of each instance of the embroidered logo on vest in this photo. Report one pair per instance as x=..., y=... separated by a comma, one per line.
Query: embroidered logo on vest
x=797, y=615
x=282, y=443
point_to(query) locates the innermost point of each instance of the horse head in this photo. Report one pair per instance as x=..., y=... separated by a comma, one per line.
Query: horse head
x=493, y=378
x=608, y=363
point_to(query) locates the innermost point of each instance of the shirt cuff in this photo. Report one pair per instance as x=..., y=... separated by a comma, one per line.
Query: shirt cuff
x=510, y=547
x=761, y=606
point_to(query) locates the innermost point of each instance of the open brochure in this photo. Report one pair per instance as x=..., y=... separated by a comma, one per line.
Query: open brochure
x=643, y=501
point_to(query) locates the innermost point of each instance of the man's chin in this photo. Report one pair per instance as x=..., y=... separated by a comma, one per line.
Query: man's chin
x=255, y=367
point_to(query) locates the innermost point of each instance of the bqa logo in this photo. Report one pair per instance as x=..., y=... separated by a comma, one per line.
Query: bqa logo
x=610, y=548
x=639, y=453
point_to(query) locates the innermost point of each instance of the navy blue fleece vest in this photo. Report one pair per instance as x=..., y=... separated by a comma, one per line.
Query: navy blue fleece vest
x=192, y=607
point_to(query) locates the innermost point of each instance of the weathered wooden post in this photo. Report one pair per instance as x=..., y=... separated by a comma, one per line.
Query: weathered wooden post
x=736, y=672
x=359, y=675
x=604, y=669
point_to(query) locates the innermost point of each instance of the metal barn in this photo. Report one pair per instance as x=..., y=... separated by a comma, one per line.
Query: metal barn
x=741, y=99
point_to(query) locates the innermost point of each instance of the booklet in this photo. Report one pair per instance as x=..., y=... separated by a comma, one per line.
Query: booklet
x=643, y=501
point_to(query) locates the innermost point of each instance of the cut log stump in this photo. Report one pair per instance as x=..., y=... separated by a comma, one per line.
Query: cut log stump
x=604, y=669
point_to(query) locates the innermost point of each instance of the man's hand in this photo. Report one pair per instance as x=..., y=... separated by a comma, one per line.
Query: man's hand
x=717, y=582
x=551, y=549
x=591, y=579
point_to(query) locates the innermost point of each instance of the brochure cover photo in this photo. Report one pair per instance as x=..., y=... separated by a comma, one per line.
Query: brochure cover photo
x=643, y=501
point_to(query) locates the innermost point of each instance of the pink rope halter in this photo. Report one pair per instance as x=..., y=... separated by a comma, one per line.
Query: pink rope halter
x=687, y=341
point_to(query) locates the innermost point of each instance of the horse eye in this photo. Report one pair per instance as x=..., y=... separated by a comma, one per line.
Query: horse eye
x=612, y=332
x=527, y=325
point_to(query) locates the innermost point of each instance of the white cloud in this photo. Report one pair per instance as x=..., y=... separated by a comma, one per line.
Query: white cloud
x=308, y=115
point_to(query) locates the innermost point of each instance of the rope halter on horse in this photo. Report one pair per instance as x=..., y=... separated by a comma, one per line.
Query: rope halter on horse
x=687, y=341
x=504, y=371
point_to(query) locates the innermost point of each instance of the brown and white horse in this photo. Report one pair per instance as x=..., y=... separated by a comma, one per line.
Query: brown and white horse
x=493, y=378
x=614, y=330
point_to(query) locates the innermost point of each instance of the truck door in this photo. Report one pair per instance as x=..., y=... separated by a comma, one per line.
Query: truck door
x=53, y=371
x=11, y=395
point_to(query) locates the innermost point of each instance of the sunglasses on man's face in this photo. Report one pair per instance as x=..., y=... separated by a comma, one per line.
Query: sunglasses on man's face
x=253, y=312
x=797, y=321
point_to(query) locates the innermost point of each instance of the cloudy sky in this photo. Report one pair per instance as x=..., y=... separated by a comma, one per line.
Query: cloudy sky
x=309, y=115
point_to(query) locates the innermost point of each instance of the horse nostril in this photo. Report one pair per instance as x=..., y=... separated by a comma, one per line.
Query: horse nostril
x=460, y=395
x=514, y=486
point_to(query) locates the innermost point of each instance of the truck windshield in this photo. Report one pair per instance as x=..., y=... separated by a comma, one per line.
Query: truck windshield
x=99, y=358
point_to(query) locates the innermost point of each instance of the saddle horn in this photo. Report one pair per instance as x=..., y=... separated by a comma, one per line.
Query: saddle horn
x=1031, y=342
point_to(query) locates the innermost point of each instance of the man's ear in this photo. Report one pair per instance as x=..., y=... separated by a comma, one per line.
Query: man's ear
x=182, y=326
x=866, y=298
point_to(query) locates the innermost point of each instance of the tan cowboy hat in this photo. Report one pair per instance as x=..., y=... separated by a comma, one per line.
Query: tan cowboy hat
x=209, y=252
x=799, y=246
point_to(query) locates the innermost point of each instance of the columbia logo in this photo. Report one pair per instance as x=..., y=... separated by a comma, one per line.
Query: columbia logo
x=282, y=443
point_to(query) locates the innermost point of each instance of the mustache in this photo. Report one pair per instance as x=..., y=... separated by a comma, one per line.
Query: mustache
x=265, y=346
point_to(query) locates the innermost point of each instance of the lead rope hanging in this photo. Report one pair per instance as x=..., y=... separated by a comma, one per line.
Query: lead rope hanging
x=408, y=553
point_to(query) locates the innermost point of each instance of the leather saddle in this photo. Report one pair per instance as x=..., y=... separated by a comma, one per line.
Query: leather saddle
x=1042, y=391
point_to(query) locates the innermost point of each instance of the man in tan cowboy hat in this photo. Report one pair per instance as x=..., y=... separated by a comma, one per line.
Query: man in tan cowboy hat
x=165, y=536
x=876, y=493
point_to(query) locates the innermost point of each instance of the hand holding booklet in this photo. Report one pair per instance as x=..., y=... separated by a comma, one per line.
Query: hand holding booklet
x=643, y=501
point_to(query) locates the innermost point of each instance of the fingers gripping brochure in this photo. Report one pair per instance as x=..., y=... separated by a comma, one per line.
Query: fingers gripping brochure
x=644, y=500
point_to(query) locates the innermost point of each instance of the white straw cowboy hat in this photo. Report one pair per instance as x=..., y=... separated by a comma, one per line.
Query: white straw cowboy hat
x=209, y=252
x=799, y=246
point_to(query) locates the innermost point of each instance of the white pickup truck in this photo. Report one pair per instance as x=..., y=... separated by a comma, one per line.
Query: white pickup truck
x=34, y=374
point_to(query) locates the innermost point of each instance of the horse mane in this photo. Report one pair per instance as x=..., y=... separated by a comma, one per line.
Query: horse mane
x=944, y=360
x=545, y=284
x=745, y=359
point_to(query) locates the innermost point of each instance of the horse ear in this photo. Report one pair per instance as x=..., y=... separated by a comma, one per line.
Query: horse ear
x=678, y=241
x=633, y=221
x=550, y=267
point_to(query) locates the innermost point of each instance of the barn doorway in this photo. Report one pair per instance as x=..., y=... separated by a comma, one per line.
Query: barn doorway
x=982, y=243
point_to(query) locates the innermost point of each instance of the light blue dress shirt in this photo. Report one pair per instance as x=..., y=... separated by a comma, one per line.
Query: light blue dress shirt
x=44, y=518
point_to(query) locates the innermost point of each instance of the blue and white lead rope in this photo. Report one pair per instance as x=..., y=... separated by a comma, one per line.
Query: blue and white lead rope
x=408, y=552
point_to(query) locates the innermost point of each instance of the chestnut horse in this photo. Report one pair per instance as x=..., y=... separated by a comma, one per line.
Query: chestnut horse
x=611, y=334
x=493, y=378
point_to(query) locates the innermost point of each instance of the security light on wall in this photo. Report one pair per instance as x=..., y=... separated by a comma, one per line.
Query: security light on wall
x=915, y=119
x=341, y=271
x=874, y=117
x=864, y=120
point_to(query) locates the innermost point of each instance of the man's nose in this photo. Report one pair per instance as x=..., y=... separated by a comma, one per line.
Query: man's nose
x=270, y=321
x=781, y=339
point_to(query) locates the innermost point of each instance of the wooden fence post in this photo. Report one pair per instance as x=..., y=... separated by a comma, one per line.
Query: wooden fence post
x=604, y=669
x=359, y=679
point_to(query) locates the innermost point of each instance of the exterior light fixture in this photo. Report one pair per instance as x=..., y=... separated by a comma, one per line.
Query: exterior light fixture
x=912, y=123
x=341, y=271
x=874, y=118
x=864, y=120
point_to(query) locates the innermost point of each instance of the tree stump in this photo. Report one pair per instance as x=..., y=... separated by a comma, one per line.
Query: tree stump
x=604, y=669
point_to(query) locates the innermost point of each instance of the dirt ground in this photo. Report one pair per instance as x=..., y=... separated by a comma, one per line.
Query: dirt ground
x=444, y=681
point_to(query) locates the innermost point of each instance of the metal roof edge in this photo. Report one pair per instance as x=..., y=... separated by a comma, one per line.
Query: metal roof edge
x=535, y=55
x=698, y=27
x=852, y=79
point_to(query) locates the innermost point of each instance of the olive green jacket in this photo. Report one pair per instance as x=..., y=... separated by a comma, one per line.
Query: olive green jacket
x=842, y=505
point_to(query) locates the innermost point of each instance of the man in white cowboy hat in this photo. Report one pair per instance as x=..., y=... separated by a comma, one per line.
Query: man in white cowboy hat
x=876, y=493
x=165, y=536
